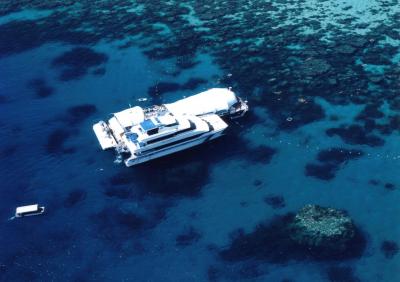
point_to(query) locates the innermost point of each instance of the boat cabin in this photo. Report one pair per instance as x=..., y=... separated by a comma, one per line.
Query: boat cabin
x=156, y=125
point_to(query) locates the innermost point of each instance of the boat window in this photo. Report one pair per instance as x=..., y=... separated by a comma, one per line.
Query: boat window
x=161, y=138
x=181, y=141
x=152, y=131
x=171, y=124
x=192, y=127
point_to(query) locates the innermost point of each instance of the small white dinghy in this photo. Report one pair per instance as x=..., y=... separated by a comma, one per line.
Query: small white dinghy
x=29, y=210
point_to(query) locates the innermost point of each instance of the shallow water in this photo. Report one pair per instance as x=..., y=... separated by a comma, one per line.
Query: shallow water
x=317, y=75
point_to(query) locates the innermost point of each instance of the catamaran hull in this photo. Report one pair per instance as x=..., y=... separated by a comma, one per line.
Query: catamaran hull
x=168, y=151
x=142, y=132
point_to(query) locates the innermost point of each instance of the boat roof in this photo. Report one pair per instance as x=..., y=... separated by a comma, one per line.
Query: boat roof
x=25, y=209
x=210, y=101
x=130, y=117
x=158, y=121
x=167, y=119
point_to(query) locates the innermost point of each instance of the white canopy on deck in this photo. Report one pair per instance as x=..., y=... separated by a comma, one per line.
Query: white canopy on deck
x=211, y=101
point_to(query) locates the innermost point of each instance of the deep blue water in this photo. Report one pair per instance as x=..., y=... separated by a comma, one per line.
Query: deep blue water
x=320, y=76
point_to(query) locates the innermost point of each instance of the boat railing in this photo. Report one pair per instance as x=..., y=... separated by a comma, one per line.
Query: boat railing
x=154, y=111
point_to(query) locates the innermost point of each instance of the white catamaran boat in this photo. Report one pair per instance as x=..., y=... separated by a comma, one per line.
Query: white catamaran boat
x=158, y=131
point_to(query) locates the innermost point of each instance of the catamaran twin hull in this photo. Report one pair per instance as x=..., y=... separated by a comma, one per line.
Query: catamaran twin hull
x=158, y=131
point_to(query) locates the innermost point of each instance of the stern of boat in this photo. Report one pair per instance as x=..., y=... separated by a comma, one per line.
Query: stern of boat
x=104, y=135
x=239, y=109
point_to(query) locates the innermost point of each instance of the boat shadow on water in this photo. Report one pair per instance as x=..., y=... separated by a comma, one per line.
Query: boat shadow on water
x=185, y=173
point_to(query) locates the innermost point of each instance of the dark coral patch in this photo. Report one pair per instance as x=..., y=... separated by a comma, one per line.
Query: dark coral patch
x=130, y=221
x=56, y=140
x=76, y=62
x=213, y=273
x=321, y=171
x=99, y=71
x=304, y=113
x=122, y=178
x=390, y=186
x=370, y=111
x=376, y=56
x=186, y=62
x=338, y=155
x=8, y=151
x=276, y=202
x=267, y=242
x=77, y=114
x=118, y=192
x=315, y=67
x=74, y=197
x=356, y=135
x=19, y=36
x=292, y=116
x=162, y=88
x=68, y=74
x=261, y=154
x=115, y=224
x=248, y=270
x=389, y=249
x=374, y=182
x=345, y=49
x=193, y=83
x=4, y=99
x=42, y=90
x=165, y=87
x=188, y=237
x=329, y=161
x=80, y=57
x=341, y=274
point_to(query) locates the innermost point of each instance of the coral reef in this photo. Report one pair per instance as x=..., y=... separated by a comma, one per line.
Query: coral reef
x=260, y=44
x=314, y=232
x=323, y=230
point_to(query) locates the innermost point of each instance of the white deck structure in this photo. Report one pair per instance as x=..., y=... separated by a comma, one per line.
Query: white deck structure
x=29, y=210
x=162, y=130
x=220, y=101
